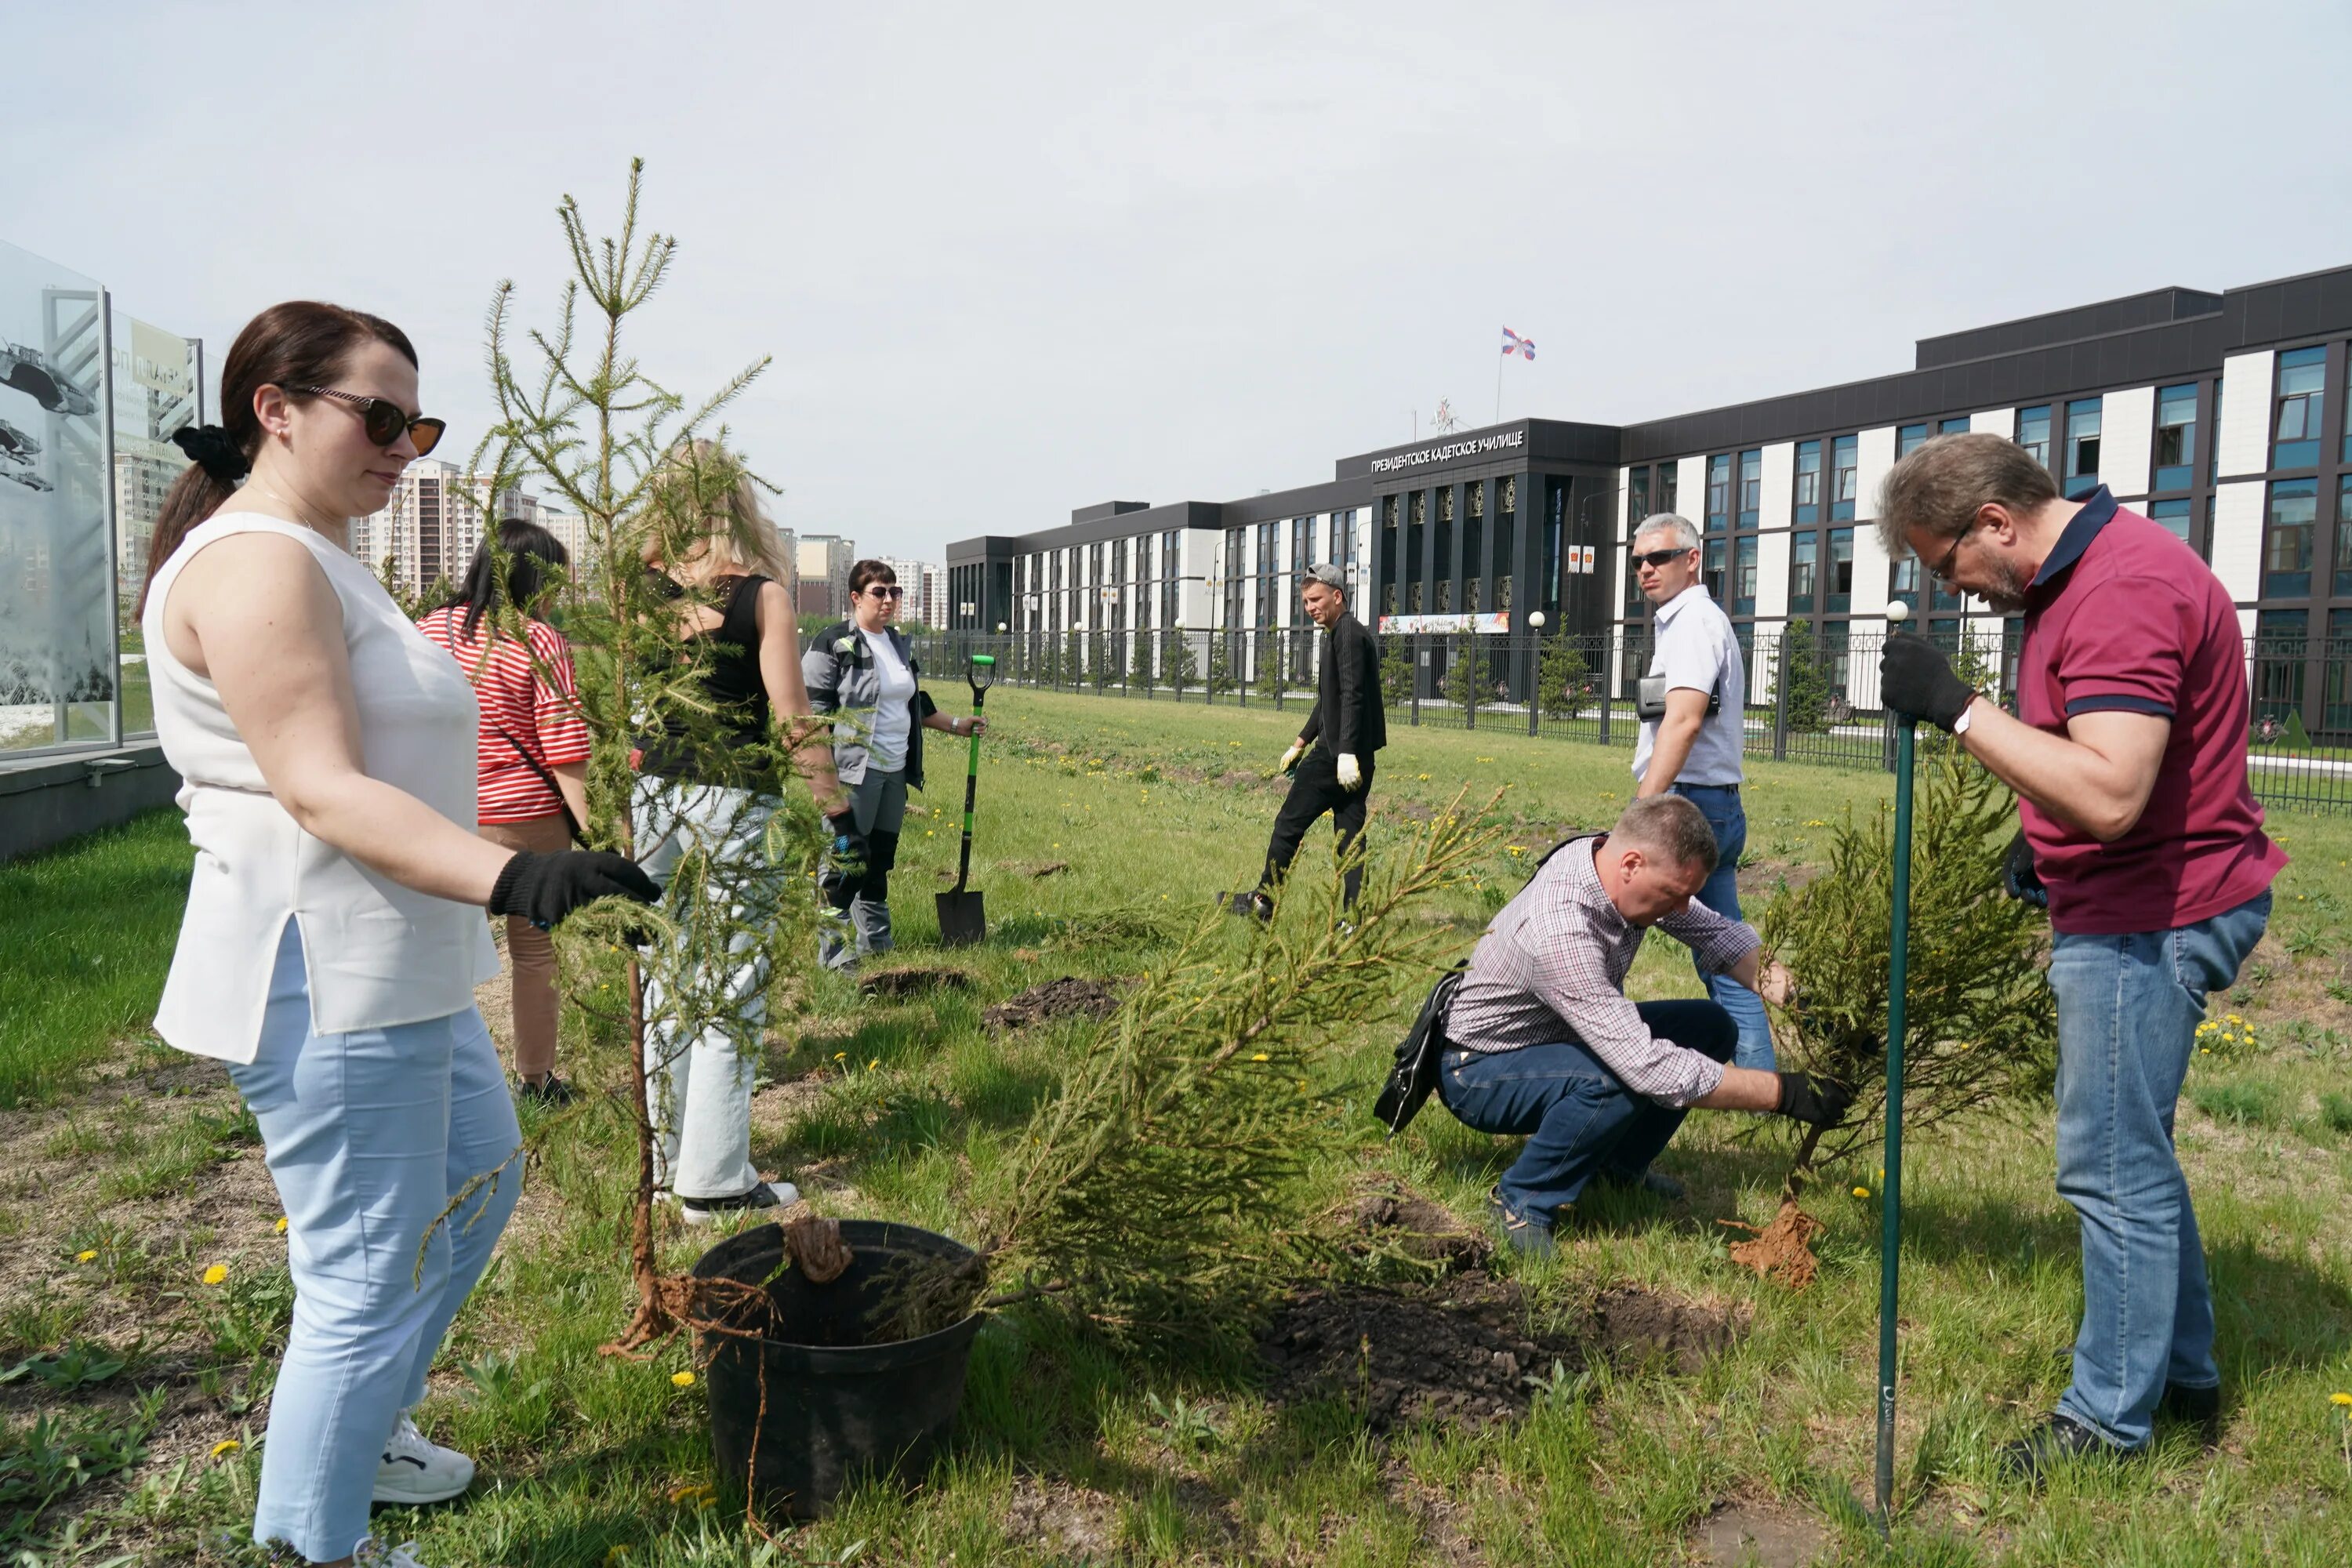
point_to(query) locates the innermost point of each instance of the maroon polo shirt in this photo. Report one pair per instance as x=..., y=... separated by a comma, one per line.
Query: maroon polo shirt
x=2124, y=617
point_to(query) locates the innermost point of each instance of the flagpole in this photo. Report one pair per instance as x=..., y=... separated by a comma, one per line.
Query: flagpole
x=1499, y=387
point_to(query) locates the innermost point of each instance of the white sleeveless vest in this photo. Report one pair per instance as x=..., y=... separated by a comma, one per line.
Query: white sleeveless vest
x=378, y=955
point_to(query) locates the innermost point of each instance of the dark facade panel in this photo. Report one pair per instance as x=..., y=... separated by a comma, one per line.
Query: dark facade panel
x=1108, y=509
x=2132, y=311
x=1335, y=495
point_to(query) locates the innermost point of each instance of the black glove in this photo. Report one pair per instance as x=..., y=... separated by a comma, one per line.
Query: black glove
x=543, y=888
x=2018, y=880
x=1818, y=1100
x=1915, y=677
x=844, y=867
x=843, y=826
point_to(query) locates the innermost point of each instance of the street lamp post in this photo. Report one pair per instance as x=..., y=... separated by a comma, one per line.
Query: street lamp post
x=1535, y=670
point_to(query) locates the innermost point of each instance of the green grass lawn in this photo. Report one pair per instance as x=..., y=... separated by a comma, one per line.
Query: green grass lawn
x=88, y=930
x=1069, y=1454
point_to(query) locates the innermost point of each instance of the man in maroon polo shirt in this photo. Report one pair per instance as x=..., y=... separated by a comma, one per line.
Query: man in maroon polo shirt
x=2129, y=756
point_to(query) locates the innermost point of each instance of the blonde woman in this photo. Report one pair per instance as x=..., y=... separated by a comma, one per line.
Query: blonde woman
x=724, y=572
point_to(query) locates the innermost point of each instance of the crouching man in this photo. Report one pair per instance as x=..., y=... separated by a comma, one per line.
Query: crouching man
x=1541, y=1040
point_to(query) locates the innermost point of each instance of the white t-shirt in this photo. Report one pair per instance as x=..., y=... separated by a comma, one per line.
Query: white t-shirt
x=1698, y=651
x=887, y=745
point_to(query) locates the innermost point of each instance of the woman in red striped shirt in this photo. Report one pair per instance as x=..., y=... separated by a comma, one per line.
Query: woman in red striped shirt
x=532, y=753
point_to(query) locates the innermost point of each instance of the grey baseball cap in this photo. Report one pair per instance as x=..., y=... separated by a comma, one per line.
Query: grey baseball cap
x=1328, y=575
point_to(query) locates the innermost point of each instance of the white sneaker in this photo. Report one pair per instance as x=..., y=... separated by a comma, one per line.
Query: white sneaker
x=414, y=1470
x=766, y=1195
x=375, y=1553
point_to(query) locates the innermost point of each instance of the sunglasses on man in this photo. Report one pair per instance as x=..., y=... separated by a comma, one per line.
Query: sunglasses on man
x=1657, y=557
x=384, y=419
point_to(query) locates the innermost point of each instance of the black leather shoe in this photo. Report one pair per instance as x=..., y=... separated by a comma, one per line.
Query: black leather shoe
x=2198, y=1407
x=2057, y=1440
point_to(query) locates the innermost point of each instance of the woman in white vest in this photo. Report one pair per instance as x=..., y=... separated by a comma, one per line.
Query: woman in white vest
x=335, y=930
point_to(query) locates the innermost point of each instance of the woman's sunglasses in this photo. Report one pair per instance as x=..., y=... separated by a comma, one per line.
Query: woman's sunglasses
x=384, y=420
x=886, y=590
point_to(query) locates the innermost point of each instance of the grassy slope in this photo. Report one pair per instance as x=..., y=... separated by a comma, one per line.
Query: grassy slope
x=88, y=933
x=883, y=1110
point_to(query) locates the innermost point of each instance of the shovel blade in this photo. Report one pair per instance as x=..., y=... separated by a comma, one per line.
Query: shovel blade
x=963, y=920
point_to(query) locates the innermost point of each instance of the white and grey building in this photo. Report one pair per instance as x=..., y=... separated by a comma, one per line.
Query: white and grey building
x=2222, y=416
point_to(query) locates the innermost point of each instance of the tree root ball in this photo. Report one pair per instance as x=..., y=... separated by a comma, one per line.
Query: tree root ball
x=1782, y=1250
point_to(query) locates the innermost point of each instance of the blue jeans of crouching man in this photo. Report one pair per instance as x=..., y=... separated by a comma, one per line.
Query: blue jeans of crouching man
x=1579, y=1118
x=1719, y=803
x=2127, y=1013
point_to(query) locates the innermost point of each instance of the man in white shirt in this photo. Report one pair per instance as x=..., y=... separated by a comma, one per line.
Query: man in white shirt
x=1693, y=749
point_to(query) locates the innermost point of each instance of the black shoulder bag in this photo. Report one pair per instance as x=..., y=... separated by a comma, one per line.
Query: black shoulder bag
x=1414, y=1073
x=579, y=836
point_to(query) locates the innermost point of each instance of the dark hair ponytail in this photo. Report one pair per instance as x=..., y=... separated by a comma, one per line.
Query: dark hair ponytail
x=302, y=342
x=522, y=549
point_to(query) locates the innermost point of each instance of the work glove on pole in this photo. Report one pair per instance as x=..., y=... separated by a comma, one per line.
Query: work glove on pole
x=1816, y=1102
x=2018, y=879
x=1915, y=678
x=544, y=888
x=1352, y=775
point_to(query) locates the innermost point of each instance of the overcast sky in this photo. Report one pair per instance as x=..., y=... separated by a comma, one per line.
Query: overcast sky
x=1018, y=259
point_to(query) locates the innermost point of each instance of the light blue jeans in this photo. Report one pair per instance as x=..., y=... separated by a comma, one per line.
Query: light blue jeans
x=705, y=1042
x=1719, y=803
x=2127, y=1013
x=368, y=1136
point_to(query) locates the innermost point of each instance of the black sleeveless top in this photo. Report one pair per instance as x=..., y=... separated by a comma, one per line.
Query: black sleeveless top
x=731, y=678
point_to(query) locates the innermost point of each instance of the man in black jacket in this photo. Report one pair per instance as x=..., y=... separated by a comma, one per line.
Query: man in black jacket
x=1350, y=721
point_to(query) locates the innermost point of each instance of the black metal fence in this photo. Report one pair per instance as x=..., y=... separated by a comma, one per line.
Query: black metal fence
x=1811, y=696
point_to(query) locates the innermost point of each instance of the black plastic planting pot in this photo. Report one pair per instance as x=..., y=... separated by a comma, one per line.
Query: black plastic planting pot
x=837, y=1408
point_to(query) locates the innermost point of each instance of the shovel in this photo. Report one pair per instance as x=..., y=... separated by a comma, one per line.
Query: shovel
x=1890, y=1242
x=963, y=918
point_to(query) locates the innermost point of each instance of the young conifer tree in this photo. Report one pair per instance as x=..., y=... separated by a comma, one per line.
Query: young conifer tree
x=1980, y=1022
x=651, y=476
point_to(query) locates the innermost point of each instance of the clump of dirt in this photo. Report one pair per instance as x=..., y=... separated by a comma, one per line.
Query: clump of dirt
x=1464, y=1349
x=912, y=981
x=1743, y=1535
x=1067, y=998
x=1383, y=1210
x=1782, y=1250
x=1237, y=778
x=1460, y=1352
x=1035, y=869
x=1635, y=1324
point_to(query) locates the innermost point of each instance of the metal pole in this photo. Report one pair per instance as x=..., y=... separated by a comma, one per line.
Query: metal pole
x=1890, y=1242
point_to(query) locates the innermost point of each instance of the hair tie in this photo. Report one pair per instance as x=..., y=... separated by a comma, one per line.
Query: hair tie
x=210, y=448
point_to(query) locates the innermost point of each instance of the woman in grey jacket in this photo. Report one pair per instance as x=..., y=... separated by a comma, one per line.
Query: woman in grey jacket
x=863, y=670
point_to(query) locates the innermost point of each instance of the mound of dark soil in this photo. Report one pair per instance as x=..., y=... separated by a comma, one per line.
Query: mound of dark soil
x=1384, y=1210
x=1636, y=1325
x=1463, y=1350
x=1459, y=1351
x=1067, y=998
x=913, y=980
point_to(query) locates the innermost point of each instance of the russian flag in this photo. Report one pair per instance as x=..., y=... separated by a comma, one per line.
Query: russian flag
x=1515, y=344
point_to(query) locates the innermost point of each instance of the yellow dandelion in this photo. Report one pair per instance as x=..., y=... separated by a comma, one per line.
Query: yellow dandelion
x=1861, y=1191
x=216, y=1273
x=1424, y=778
x=617, y=1553
x=1261, y=1056
x=85, y=1255
x=225, y=1445
x=280, y=1226
x=2343, y=1399
x=682, y=1379
x=841, y=1055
